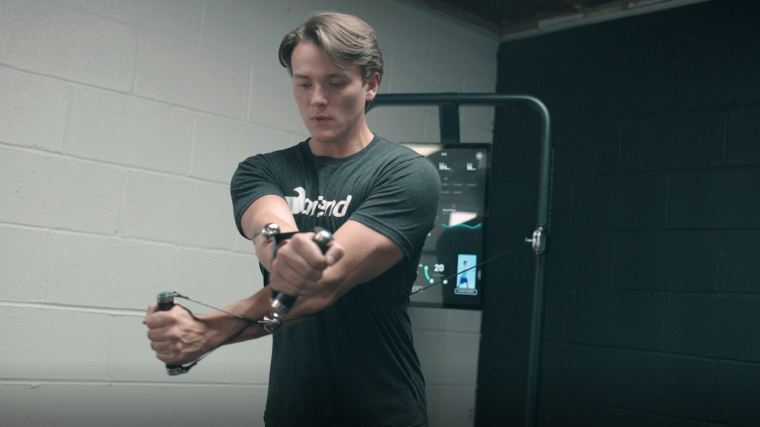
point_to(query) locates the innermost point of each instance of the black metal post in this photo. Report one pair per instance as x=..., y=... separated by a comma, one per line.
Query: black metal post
x=448, y=104
x=448, y=122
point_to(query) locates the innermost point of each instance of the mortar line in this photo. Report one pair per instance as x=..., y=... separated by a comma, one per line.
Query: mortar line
x=43, y=229
x=130, y=25
x=192, y=146
x=652, y=352
x=216, y=251
x=203, y=20
x=67, y=124
x=110, y=347
x=152, y=100
x=3, y=8
x=75, y=308
x=117, y=165
x=176, y=268
x=249, y=101
x=133, y=89
x=49, y=241
x=52, y=231
x=122, y=200
x=657, y=416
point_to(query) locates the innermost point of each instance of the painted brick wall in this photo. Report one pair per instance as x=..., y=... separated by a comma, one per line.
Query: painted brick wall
x=653, y=296
x=121, y=124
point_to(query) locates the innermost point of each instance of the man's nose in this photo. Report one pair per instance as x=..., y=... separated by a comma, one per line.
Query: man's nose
x=318, y=97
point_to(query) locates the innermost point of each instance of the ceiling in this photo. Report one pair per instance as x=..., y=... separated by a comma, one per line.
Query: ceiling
x=510, y=17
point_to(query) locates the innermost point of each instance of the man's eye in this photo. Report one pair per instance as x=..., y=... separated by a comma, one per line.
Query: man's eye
x=304, y=85
x=337, y=85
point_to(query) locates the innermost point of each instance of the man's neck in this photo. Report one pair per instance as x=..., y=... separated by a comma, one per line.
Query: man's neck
x=350, y=145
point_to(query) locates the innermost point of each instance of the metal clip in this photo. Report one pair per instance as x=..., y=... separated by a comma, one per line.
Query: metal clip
x=271, y=322
x=538, y=242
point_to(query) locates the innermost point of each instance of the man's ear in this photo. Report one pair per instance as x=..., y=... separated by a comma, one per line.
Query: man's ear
x=373, y=84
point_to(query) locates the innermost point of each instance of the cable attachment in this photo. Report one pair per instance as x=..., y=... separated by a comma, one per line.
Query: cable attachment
x=271, y=322
x=538, y=242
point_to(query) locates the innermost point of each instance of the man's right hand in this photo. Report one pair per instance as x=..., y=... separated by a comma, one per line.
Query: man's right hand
x=177, y=336
x=298, y=267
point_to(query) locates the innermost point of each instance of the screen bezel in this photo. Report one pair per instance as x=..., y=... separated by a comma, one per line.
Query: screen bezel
x=487, y=147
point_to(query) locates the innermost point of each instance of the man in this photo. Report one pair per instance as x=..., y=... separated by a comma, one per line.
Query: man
x=351, y=361
x=463, y=277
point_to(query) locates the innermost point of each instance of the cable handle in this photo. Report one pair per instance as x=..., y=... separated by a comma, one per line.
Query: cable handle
x=281, y=302
x=165, y=302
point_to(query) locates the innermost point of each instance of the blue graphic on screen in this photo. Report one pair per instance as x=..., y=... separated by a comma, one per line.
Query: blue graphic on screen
x=467, y=276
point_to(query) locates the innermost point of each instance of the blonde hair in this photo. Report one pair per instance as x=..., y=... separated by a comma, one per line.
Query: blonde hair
x=345, y=39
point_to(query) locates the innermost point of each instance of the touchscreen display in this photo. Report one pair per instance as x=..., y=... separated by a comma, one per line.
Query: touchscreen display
x=456, y=244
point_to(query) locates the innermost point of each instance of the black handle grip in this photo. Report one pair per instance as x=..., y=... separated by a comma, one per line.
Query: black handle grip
x=281, y=302
x=165, y=303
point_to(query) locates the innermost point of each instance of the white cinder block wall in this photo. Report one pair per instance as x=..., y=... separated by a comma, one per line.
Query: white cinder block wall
x=121, y=124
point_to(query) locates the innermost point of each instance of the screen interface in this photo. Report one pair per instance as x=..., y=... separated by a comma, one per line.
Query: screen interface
x=456, y=244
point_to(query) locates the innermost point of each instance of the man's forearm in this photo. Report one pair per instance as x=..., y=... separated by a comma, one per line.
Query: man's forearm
x=336, y=280
x=222, y=326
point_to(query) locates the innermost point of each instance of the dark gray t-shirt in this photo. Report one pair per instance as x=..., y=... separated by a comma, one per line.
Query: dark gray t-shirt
x=353, y=363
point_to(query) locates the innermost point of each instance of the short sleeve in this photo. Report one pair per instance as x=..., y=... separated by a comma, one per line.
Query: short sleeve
x=403, y=203
x=255, y=177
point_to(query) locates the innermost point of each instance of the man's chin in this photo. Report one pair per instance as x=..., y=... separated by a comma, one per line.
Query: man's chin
x=323, y=137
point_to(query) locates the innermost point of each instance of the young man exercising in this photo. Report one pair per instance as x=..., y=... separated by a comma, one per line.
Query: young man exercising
x=351, y=362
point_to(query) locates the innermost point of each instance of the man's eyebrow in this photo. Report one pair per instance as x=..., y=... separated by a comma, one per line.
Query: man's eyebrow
x=329, y=76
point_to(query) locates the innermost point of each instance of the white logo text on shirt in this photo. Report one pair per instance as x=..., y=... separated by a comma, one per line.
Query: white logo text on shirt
x=302, y=205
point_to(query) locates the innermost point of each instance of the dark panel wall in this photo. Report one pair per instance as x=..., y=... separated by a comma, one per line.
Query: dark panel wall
x=653, y=287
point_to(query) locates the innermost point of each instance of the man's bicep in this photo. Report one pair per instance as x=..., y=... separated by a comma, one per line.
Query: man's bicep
x=404, y=206
x=266, y=209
